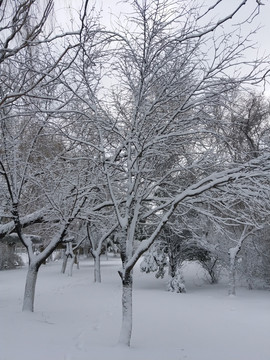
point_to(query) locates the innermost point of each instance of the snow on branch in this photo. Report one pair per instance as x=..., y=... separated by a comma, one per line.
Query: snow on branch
x=35, y=217
x=259, y=167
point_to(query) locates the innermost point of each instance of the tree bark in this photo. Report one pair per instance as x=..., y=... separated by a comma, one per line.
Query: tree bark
x=233, y=252
x=126, y=329
x=64, y=264
x=77, y=261
x=97, y=272
x=30, y=287
x=70, y=272
x=232, y=271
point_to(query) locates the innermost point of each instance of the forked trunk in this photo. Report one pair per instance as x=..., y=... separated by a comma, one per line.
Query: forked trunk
x=126, y=329
x=30, y=286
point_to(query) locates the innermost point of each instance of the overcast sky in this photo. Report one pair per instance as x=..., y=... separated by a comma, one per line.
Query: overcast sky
x=115, y=7
x=64, y=10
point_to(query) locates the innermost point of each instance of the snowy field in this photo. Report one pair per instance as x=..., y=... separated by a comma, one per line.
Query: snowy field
x=76, y=319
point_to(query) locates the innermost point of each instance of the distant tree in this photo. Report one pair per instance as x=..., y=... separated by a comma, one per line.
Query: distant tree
x=172, y=249
x=8, y=257
x=71, y=251
x=247, y=128
x=233, y=254
x=97, y=238
x=255, y=259
x=245, y=135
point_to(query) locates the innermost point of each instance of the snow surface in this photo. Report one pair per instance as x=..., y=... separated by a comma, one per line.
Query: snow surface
x=76, y=319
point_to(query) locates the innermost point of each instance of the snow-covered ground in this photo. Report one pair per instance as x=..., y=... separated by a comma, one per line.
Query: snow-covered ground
x=76, y=319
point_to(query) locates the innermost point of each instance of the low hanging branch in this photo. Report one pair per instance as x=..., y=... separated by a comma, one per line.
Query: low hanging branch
x=259, y=167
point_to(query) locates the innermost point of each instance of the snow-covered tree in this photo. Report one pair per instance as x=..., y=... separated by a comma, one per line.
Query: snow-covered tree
x=97, y=238
x=35, y=185
x=137, y=110
x=41, y=184
x=246, y=124
x=245, y=136
x=157, y=133
x=22, y=23
x=172, y=248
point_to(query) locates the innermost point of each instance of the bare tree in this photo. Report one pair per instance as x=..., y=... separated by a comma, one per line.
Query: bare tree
x=233, y=252
x=156, y=134
x=97, y=239
x=16, y=33
x=40, y=181
x=147, y=126
x=33, y=181
x=246, y=115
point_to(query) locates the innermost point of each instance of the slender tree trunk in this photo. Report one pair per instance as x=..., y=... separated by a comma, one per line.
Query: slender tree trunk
x=64, y=264
x=30, y=286
x=213, y=272
x=106, y=250
x=232, y=271
x=97, y=272
x=233, y=252
x=126, y=329
x=77, y=261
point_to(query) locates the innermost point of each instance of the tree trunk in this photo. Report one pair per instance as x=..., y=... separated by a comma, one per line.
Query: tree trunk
x=77, y=261
x=172, y=265
x=64, y=264
x=232, y=271
x=30, y=286
x=177, y=282
x=126, y=329
x=70, y=272
x=97, y=272
x=233, y=252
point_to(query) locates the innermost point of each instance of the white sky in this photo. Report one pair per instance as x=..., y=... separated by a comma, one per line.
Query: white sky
x=64, y=10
